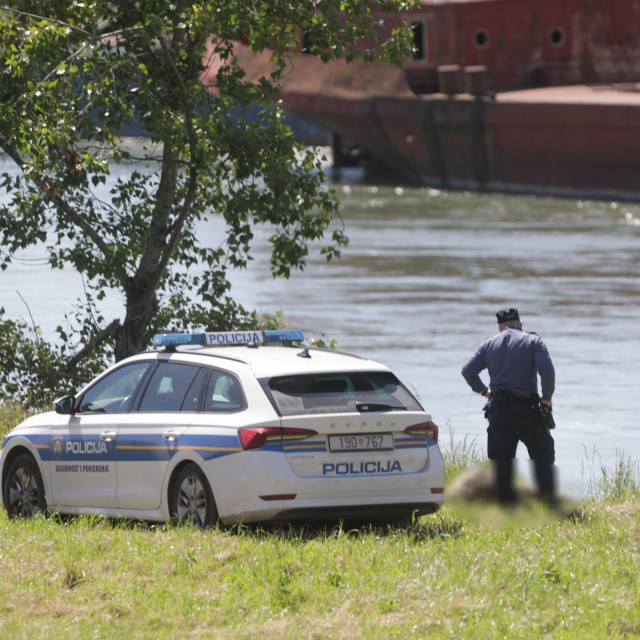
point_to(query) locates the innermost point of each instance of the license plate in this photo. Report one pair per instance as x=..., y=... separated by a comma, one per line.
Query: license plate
x=362, y=442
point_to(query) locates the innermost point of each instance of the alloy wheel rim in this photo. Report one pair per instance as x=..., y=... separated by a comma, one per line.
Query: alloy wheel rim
x=23, y=493
x=192, y=502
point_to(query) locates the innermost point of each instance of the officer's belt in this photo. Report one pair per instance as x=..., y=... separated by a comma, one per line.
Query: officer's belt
x=504, y=397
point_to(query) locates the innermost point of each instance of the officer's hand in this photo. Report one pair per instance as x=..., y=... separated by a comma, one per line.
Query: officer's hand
x=547, y=402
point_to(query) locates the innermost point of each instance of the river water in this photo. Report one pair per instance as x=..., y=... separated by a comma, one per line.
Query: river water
x=418, y=287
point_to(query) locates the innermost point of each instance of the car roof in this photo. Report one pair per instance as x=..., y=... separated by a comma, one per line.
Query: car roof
x=267, y=361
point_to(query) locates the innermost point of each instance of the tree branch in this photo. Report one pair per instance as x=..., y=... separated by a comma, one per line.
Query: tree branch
x=75, y=217
x=12, y=152
x=185, y=209
x=97, y=340
x=41, y=372
x=71, y=27
x=60, y=202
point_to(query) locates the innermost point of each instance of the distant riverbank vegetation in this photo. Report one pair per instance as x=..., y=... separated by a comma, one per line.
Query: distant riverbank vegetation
x=439, y=577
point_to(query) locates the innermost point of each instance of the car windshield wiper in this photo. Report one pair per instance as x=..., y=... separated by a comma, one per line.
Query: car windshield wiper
x=366, y=407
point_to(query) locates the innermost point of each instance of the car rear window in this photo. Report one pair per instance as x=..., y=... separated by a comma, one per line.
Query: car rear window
x=340, y=393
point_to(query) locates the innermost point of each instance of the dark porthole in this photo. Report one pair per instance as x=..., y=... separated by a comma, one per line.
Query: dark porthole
x=556, y=36
x=417, y=30
x=481, y=38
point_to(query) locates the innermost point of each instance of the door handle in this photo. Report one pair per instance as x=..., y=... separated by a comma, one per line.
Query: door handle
x=107, y=435
x=171, y=435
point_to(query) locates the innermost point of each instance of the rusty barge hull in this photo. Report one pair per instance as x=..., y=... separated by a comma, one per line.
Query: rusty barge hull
x=567, y=141
x=534, y=96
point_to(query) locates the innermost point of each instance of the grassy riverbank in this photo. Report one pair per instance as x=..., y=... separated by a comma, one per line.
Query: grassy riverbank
x=439, y=578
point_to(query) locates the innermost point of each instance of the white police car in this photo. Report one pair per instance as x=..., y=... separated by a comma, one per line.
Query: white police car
x=241, y=432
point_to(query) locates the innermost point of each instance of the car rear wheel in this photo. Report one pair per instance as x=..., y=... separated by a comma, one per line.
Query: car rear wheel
x=24, y=489
x=192, y=499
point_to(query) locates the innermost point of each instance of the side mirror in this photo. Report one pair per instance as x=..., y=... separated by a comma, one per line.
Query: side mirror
x=65, y=405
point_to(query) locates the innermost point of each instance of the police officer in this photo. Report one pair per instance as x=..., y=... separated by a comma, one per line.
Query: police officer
x=512, y=358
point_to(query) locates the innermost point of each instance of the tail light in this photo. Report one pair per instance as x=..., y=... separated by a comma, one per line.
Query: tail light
x=427, y=430
x=258, y=437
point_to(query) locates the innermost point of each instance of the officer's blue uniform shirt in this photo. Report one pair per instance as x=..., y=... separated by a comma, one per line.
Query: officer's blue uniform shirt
x=512, y=358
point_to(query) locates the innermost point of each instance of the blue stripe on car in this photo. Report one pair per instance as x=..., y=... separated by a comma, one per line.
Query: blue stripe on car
x=129, y=447
x=143, y=447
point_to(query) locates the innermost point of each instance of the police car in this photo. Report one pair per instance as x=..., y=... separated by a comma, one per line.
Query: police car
x=229, y=427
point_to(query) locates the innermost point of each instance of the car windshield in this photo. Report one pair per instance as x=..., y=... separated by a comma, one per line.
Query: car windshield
x=340, y=393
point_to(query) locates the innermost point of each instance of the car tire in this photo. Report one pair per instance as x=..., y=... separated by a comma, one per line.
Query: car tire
x=23, y=490
x=192, y=499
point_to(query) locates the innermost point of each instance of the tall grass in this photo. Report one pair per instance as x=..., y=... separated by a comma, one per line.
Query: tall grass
x=618, y=482
x=459, y=454
x=11, y=414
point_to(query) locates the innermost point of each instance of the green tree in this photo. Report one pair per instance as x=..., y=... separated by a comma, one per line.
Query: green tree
x=73, y=74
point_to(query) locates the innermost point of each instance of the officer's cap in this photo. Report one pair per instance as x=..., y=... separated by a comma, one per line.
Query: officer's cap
x=508, y=315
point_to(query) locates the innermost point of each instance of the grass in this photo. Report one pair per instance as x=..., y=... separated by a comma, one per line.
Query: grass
x=459, y=454
x=441, y=577
x=11, y=414
x=619, y=482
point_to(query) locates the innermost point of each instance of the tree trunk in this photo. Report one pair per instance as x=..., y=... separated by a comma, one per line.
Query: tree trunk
x=133, y=336
x=140, y=290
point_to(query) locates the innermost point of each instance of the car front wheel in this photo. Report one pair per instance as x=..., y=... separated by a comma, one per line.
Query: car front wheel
x=192, y=499
x=24, y=489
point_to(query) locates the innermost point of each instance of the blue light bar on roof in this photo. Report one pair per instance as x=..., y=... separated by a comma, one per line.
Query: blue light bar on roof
x=286, y=335
x=177, y=339
x=227, y=338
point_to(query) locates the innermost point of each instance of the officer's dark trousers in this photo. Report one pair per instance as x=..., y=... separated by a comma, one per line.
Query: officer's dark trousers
x=512, y=422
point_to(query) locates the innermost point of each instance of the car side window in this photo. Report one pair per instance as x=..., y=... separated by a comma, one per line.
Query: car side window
x=224, y=393
x=193, y=399
x=115, y=392
x=168, y=386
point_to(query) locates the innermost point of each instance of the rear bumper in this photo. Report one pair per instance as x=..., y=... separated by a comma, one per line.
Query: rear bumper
x=261, y=486
x=252, y=497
